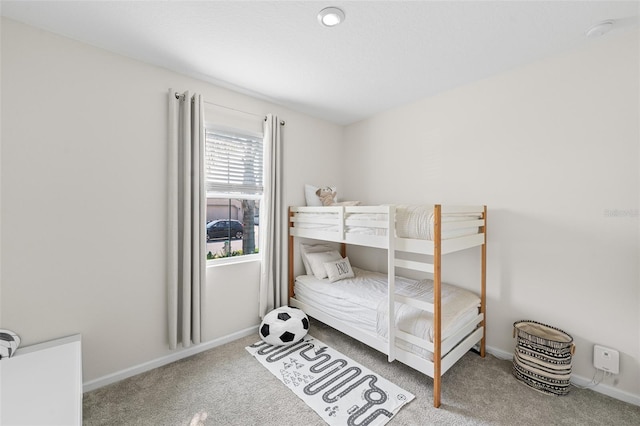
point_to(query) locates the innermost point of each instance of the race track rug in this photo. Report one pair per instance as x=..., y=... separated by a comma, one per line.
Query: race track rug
x=336, y=387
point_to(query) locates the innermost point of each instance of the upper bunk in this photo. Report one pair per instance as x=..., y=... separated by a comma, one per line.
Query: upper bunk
x=408, y=228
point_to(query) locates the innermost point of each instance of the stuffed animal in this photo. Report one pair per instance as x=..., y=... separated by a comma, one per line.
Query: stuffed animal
x=328, y=196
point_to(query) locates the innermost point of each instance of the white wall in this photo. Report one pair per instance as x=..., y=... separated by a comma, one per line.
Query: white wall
x=83, y=198
x=552, y=149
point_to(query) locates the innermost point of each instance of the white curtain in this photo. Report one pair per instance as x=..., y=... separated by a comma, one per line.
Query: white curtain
x=186, y=216
x=273, y=283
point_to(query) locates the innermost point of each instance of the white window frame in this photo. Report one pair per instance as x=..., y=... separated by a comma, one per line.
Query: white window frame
x=234, y=196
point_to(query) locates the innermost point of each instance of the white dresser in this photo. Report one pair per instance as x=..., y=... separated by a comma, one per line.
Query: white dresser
x=42, y=384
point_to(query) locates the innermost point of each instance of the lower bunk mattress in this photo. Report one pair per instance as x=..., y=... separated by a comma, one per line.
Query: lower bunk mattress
x=362, y=302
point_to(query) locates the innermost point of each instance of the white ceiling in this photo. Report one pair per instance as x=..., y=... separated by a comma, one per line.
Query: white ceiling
x=385, y=53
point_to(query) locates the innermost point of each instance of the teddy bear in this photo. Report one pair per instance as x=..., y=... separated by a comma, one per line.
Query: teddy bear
x=328, y=196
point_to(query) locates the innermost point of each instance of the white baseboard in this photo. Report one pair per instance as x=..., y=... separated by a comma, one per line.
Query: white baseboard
x=580, y=381
x=159, y=362
x=607, y=390
x=499, y=353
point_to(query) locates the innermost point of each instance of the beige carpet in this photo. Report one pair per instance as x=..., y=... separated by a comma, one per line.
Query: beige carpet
x=227, y=386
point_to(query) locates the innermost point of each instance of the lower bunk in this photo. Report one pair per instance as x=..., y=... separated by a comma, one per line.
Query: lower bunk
x=358, y=307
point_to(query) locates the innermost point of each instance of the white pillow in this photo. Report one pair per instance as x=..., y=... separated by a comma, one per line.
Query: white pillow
x=312, y=248
x=317, y=261
x=339, y=269
x=310, y=195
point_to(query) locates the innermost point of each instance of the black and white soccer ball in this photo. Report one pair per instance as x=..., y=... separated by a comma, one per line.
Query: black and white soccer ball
x=284, y=326
x=9, y=342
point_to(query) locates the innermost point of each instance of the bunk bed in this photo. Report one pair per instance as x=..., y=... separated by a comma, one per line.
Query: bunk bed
x=415, y=238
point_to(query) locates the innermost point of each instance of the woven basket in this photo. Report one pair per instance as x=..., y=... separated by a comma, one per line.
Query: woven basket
x=543, y=357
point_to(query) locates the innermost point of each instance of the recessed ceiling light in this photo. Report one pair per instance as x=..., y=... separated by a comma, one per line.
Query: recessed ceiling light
x=599, y=29
x=330, y=16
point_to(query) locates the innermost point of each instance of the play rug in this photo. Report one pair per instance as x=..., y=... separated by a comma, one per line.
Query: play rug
x=336, y=387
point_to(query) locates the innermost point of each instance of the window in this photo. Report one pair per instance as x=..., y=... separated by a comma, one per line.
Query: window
x=234, y=185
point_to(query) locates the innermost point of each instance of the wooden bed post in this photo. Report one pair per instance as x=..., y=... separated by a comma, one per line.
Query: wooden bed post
x=290, y=265
x=437, y=304
x=483, y=283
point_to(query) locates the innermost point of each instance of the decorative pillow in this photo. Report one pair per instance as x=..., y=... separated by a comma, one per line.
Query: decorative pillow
x=317, y=261
x=305, y=249
x=339, y=269
x=310, y=195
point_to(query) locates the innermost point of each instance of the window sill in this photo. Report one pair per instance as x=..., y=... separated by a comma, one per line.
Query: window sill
x=234, y=260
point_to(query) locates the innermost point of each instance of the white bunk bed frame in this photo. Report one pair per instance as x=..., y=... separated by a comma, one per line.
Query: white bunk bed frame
x=453, y=347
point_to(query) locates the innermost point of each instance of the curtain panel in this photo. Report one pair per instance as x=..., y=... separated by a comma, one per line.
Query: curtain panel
x=186, y=237
x=273, y=291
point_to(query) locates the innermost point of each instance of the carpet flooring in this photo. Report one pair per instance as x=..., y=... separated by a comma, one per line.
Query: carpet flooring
x=227, y=386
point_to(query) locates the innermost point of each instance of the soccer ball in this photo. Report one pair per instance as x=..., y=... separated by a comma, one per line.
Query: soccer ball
x=284, y=326
x=9, y=342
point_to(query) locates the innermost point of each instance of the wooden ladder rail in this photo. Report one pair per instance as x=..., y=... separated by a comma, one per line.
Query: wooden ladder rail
x=483, y=284
x=437, y=304
x=290, y=253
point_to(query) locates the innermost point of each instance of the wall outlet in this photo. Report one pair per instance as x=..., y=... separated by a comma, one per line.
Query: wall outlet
x=606, y=359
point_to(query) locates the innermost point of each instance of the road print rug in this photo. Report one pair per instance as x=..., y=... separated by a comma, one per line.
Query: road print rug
x=336, y=387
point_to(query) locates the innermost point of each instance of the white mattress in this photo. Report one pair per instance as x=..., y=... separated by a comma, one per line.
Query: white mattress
x=411, y=222
x=361, y=302
x=417, y=222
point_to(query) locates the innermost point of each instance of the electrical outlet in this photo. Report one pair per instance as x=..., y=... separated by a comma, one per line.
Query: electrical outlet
x=606, y=359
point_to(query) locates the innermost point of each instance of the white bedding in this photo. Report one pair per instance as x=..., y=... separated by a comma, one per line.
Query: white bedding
x=411, y=222
x=361, y=301
x=417, y=222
